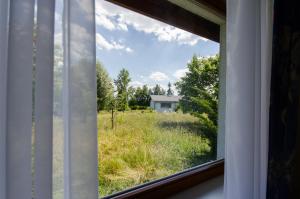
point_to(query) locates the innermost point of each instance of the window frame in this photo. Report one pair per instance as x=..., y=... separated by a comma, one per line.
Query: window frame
x=166, y=105
x=174, y=15
x=172, y=184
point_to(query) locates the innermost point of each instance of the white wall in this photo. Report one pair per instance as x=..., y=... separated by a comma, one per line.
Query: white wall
x=157, y=106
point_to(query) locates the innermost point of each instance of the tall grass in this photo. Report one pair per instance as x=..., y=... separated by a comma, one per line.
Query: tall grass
x=145, y=146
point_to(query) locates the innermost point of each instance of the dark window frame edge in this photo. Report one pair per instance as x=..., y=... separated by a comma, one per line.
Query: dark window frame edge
x=163, y=11
x=170, y=185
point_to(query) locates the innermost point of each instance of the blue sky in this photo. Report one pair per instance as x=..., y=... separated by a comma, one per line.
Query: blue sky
x=153, y=52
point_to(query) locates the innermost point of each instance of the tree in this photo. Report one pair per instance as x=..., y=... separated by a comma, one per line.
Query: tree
x=122, y=83
x=112, y=106
x=131, y=92
x=141, y=97
x=158, y=90
x=104, y=87
x=199, y=91
x=170, y=91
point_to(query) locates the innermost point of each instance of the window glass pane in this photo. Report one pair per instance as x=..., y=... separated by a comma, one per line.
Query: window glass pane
x=157, y=98
x=166, y=105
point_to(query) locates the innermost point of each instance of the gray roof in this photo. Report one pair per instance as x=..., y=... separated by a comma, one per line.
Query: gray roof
x=165, y=98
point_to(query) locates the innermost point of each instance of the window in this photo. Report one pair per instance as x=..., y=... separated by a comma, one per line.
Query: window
x=166, y=105
x=143, y=62
x=148, y=131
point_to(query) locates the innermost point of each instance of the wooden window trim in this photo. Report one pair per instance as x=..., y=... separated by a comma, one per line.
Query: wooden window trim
x=174, y=15
x=175, y=183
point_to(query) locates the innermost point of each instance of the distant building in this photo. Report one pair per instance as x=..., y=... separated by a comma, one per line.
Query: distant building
x=164, y=103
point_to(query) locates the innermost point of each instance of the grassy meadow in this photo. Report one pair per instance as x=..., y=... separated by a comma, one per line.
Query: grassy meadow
x=145, y=146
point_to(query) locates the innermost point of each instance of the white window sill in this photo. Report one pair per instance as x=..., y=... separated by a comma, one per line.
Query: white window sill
x=211, y=189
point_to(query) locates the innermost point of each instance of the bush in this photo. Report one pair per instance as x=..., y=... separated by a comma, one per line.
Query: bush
x=136, y=107
x=177, y=109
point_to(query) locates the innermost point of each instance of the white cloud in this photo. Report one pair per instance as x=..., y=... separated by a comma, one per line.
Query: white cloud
x=80, y=41
x=158, y=76
x=136, y=84
x=122, y=26
x=121, y=18
x=104, y=21
x=180, y=73
x=127, y=49
x=102, y=43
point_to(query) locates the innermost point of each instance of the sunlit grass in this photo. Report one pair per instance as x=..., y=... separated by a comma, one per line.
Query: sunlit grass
x=145, y=146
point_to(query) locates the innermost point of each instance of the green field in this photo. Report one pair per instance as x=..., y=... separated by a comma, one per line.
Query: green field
x=145, y=146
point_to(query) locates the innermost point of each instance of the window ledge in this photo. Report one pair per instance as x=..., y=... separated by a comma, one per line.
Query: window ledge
x=175, y=183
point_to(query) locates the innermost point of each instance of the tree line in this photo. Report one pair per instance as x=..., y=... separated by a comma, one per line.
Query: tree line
x=118, y=94
x=198, y=90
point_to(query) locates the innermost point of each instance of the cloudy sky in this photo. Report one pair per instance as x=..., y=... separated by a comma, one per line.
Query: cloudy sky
x=153, y=52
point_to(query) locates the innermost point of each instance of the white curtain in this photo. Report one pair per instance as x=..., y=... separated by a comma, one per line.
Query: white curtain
x=79, y=101
x=249, y=37
x=26, y=100
x=3, y=90
x=43, y=99
x=16, y=97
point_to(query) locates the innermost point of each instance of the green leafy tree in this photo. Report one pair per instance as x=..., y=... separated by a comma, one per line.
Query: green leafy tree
x=170, y=92
x=122, y=83
x=131, y=92
x=158, y=90
x=199, y=91
x=141, y=97
x=112, y=107
x=104, y=87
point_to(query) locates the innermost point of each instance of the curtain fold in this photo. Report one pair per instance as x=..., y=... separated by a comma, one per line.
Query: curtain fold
x=4, y=10
x=249, y=36
x=79, y=96
x=19, y=100
x=26, y=70
x=44, y=99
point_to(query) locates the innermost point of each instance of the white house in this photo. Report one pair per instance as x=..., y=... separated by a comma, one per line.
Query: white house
x=164, y=103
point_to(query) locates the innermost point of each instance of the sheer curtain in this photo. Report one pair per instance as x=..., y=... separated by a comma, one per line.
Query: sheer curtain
x=16, y=97
x=249, y=36
x=3, y=90
x=79, y=101
x=26, y=99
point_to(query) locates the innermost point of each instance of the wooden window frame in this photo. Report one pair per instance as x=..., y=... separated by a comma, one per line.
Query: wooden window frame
x=174, y=15
x=167, y=12
x=173, y=184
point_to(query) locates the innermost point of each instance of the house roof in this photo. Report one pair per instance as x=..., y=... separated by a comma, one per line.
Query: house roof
x=165, y=98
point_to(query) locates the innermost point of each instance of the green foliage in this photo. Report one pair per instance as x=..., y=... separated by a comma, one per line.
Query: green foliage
x=170, y=91
x=158, y=90
x=122, y=83
x=199, y=91
x=104, y=88
x=140, y=97
x=137, y=107
x=147, y=146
